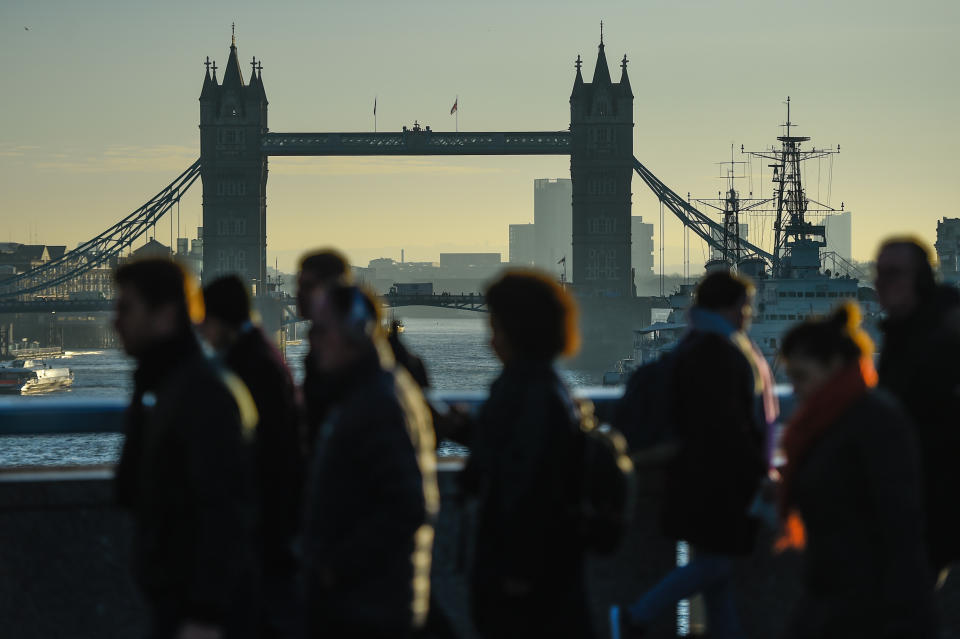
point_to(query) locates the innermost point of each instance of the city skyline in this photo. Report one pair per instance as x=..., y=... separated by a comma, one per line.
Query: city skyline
x=96, y=140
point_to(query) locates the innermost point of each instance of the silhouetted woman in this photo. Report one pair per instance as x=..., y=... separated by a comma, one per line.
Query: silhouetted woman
x=850, y=492
x=527, y=577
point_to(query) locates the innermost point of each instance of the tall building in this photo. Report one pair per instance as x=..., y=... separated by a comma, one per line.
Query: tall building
x=641, y=248
x=838, y=228
x=233, y=118
x=601, y=165
x=948, y=249
x=523, y=243
x=552, y=223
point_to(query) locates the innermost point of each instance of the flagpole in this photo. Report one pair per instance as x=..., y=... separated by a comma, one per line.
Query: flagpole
x=457, y=102
x=374, y=114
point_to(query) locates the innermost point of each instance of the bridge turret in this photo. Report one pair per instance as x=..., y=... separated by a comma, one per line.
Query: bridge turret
x=601, y=168
x=233, y=120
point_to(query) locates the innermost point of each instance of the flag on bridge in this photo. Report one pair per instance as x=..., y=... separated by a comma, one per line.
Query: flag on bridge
x=453, y=109
x=374, y=105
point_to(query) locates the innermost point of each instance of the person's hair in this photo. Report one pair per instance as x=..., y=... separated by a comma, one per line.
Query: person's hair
x=160, y=281
x=920, y=255
x=537, y=316
x=326, y=264
x=357, y=310
x=721, y=290
x=823, y=340
x=228, y=300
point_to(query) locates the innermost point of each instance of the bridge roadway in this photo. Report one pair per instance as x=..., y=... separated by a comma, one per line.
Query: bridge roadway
x=469, y=302
x=418, y=142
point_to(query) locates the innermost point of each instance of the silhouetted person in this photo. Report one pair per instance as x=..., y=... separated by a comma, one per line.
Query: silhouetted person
x=246, y=351
x=852, y=488
x=920, y=364
x=319, y=271
x=717, y=402
x=185, y=470
x=527, y=578
x=372, y=494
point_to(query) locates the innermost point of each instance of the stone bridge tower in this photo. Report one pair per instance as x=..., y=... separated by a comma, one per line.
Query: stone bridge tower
x=233, y=117
x=601, y=168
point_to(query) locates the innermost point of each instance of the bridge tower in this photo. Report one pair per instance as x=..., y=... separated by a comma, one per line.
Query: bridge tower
x=601, y=168
x=233, y=118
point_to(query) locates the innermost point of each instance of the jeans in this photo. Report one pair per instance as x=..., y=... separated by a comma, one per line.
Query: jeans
x=708, y=574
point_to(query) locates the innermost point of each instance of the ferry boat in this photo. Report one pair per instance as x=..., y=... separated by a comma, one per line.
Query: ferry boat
x=26, y=376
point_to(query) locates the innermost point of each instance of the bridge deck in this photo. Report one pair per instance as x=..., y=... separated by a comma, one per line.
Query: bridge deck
x=418, y=143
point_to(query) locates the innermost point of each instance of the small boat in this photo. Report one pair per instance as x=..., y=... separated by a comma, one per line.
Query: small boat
x=25, y=376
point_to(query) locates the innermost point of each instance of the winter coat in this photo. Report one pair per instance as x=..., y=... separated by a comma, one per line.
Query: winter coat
x=714, y=477
x=186, y=474
x=279, y=464
x=858, y=491
x=520, y=469
x=920, y=365
x=371, y=501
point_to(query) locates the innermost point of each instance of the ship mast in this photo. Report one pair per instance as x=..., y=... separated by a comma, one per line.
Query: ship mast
x=794, y=234
x=729, y=204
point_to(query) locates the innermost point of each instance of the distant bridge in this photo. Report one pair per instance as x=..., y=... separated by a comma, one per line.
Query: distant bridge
x=466, y=302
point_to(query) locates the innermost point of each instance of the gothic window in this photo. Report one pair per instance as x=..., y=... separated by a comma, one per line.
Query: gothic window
x=602, y=107
x=222, y=262
x=231, y=187
x=602, y=264
x=230, y=136
x=601, y=225
x=241, y=260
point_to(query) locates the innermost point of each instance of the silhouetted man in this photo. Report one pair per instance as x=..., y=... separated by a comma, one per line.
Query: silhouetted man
x=246, y=351
x=185, y=470
x=372, y=493
x=318, y=272
x=920, y=364
x=718, y=409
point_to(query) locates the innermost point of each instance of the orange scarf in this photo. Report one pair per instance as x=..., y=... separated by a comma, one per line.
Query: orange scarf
x=806, y=428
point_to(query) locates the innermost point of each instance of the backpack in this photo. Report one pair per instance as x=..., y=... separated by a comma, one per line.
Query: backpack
x=606, y=487
x=645, y=413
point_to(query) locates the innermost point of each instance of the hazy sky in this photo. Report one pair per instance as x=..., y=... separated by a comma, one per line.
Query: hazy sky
x=100, y=108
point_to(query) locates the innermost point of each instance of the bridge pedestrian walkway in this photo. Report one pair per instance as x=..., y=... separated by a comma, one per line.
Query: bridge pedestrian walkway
x=65, y=546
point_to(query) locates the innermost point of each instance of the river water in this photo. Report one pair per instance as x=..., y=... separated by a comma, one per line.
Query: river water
x=456, y=351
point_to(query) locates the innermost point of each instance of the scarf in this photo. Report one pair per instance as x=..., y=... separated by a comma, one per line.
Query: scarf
x=811, y=421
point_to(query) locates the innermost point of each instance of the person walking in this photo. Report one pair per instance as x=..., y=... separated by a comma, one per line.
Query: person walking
x=919, y=365
x=851, y=492
x=185, y=471
x=318, y=271
x=372, y=493
x=245, y=350
x=527, y=578
x=721, y=402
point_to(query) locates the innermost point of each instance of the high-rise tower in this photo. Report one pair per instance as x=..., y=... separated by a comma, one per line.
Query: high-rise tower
x=233, y=117
x=601, y=167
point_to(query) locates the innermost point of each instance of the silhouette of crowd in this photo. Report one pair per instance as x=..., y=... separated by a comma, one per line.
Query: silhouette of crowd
x=265, y=510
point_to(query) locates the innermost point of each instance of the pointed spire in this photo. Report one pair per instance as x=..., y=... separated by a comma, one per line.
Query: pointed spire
x=209, y=85
x=577, y=81
x=601, y=73
x=232, y=76
x=624, y=79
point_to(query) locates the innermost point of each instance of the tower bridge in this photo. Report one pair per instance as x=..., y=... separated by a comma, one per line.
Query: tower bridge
x=236, y=143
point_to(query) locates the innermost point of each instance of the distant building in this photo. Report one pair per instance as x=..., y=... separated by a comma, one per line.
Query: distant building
x=478, y=265
x=839, y=234
x=523, y=244
x=641, y=248
x=948, y=249
x=553, y=224
x=152, y=248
